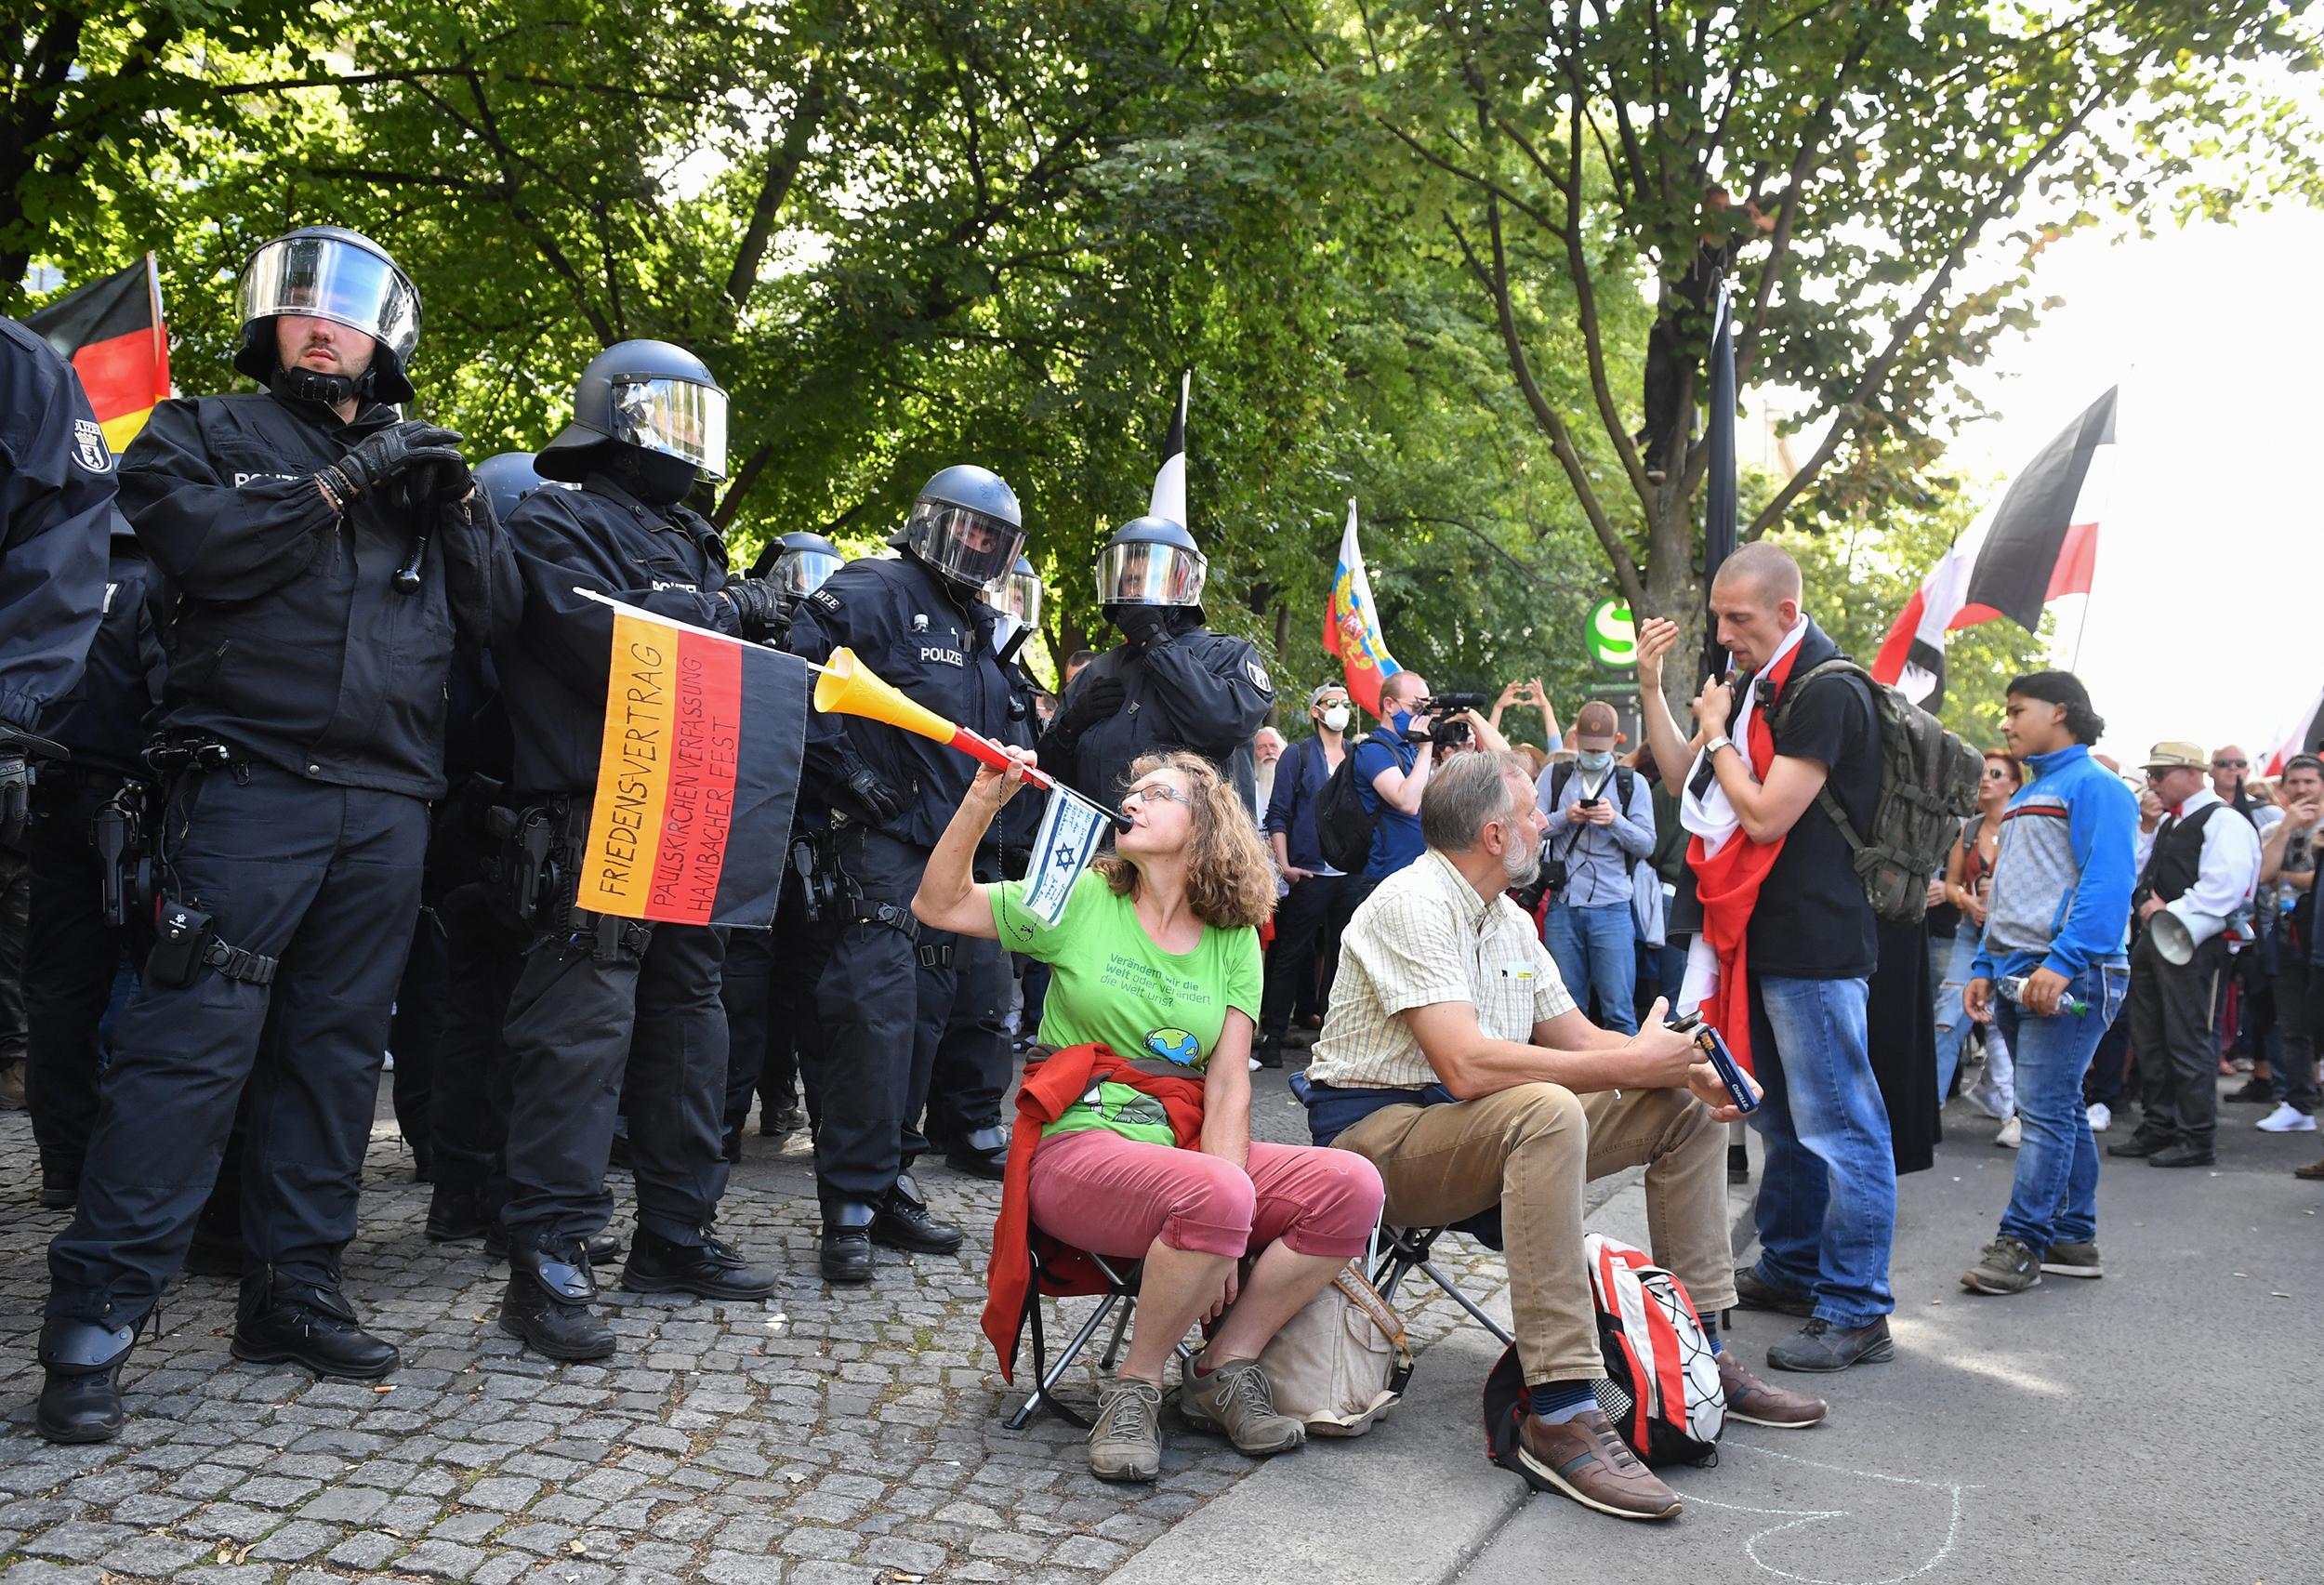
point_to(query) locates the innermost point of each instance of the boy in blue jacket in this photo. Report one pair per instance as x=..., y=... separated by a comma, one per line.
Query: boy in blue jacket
x=2055, y=933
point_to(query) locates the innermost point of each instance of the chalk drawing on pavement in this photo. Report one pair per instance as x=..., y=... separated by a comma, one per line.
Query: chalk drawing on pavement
x=1801, y=1518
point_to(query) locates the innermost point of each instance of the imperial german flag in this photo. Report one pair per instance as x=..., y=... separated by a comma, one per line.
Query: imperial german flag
x=110, y=331
x=698, y=774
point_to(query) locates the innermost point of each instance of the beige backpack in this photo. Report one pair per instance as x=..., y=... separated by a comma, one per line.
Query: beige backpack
x=1341, y=1362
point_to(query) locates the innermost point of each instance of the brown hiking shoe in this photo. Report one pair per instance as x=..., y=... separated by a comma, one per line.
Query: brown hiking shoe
x=2312, y=1172
x=1586, y=1461
x=1126, y=1442
x=1238, y=1400
x=1755, y=1402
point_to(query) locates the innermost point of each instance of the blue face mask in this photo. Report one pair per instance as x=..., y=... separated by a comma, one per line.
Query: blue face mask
x=1594, y=761
x=1401, y=720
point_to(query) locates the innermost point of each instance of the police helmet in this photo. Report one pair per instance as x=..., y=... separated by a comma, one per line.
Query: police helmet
x=331, y=272
x=648, y=394
x=797, y=564
x=1151, y=561
x=1017, y=593
x=965, y=526
x=509, y=477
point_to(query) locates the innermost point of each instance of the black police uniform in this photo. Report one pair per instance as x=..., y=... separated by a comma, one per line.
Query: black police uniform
x=871, y=1071
x=56, y=498
x=321, y=683
x=596, y=993
x=1204, y=690
x=86, y=844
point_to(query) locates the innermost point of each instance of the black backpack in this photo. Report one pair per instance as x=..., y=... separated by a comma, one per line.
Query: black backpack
x=1343, y=827
x=1623, y=781
x=1928, y=785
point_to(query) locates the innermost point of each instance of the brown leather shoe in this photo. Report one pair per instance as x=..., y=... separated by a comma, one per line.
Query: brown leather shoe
x=1586, y=1461
x=2313, y=1171
x=1753, y=1402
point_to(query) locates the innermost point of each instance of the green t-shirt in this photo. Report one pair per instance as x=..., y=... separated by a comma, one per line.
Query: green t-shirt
x=1110, y=984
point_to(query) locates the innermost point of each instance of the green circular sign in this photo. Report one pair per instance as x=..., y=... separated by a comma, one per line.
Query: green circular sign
x=1612, y=637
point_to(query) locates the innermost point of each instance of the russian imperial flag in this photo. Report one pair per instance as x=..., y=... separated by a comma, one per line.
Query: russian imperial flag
x=112, y=334
x=1351, y=626
x=697, y=776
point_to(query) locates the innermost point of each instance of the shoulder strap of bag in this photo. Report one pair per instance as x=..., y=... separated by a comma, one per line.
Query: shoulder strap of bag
x=1382, y=1314
x=1835, y=666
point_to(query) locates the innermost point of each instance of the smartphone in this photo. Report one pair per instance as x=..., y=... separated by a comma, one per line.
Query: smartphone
x=1714, y=1051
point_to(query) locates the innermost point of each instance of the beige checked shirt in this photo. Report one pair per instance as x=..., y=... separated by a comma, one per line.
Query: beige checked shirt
x=1425, y=936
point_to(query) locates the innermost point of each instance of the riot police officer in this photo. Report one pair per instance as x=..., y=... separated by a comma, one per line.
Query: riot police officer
x=86, y=847
x=322, y=553
x=768, y=983
x=601, y=996
x=56, y=501
x=917, y=622
x=1172, y=683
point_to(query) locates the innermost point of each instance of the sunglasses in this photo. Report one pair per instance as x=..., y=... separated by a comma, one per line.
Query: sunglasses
x=1153, y=790
x=1997, y=773
x=2230, y=765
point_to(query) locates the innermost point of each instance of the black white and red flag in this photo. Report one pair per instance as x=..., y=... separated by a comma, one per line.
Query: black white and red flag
x=2306, y=736
x=2039, y=545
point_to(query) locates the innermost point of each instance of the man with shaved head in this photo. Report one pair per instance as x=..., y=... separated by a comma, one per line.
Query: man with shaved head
x=1783, y=960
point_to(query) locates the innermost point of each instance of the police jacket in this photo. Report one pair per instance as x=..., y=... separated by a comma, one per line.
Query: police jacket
x=1203, y=691
x=106, y=719
x=935, y=645
x=666, y=560
x=289, y=640
x=55, y=499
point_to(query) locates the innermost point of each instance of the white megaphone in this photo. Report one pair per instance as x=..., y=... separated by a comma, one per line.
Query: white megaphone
x=2177, y=938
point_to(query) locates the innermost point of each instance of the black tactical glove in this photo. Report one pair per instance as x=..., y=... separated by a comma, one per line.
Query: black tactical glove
x=874, y=795
x=1090, y=701
x=756, y=602
x=393, y=452
x=1145, y=626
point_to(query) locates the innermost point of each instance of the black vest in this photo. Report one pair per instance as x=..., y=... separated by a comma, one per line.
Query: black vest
x=2177, y=857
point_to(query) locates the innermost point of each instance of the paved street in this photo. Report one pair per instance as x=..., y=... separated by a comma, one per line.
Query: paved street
x=822, y=1438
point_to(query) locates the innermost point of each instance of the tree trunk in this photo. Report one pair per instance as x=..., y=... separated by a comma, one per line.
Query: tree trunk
x=1674, y=589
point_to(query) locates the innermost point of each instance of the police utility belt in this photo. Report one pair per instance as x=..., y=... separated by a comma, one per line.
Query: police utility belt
x=185, y=938
x=540, y=846
x=833, y=899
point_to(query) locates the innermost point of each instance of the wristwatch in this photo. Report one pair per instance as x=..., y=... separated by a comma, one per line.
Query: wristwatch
x=1716, y=743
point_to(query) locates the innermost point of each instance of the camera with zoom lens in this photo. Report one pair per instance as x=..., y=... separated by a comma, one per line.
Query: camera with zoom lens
x=1451, y=704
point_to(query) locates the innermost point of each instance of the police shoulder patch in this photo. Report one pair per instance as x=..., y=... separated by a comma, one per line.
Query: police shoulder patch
x=1258, y=674
x=89, y=448
x=825, y=599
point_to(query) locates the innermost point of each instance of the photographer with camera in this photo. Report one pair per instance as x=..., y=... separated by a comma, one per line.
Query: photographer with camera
x=1601, y=823
x=1393, y=764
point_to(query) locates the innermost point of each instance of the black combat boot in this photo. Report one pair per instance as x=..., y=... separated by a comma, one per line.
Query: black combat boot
x=847, y=1253
x=707, y=1269
x=79, y=1401
x=904, y=1223
x=548, y=1303
x=283, y=1321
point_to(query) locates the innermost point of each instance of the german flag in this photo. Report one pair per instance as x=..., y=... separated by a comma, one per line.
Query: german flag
x=112, y=334
x=698, y=774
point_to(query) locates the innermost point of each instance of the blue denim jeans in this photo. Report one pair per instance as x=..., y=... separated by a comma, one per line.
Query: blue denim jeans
x=1827, y=1209
x=1596, y=950
x=2054, y=1196
x=1949, y=962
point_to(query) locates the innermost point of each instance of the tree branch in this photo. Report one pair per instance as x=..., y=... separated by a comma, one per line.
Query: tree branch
x=782, y=168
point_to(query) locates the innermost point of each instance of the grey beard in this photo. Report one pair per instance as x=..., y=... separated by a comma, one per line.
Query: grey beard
x=1522, y=870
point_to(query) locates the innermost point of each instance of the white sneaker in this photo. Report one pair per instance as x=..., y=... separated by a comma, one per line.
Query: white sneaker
x=2012, y=1134
x=2101, y=1119
x=2286, y=1119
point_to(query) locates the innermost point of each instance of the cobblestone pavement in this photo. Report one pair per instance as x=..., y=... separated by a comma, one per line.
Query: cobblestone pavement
x=822, y=1437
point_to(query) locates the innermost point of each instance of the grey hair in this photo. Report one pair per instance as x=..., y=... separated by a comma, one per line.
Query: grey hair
x=1465, y=797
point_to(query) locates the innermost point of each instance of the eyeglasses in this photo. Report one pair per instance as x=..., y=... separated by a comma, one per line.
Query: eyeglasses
x=2157, y=775
x=2230, y=764
x=1997, y=773
x=1153, y=790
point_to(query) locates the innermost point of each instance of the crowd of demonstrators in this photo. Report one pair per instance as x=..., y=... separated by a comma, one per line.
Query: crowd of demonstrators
x=1317, y=898
x=1602, y=824
x=1967, y=884
x=2288, y=860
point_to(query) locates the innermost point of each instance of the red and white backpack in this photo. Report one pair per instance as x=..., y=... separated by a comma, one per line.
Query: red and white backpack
x=1662, y=1389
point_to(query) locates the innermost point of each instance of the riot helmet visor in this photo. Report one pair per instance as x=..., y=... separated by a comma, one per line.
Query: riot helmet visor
x=960, y=543
x=323, y=277
x=1150, y=573
x=1018, y=595
x=801, y=572
x=677, y=418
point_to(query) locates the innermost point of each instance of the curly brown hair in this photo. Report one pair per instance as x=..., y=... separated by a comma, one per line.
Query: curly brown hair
x=1228, y=881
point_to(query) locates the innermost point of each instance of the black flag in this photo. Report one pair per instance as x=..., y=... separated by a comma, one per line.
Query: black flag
x=1718, y=486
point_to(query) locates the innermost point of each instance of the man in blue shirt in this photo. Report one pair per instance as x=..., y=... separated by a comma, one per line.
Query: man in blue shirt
x=1392, y=767
x=1320, y=898
x=1601, y=823
x=2053, y=931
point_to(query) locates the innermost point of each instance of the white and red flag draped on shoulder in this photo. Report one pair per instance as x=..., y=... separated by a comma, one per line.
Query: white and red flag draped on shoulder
x=2039, y=545
x=2306, y=736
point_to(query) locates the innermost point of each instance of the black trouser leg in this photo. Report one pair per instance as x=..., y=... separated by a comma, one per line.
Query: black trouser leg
x=745, y=988
x=422, y=1008
x=1310, y=912
x=568, y=1040
x=72, y=957
x=467, y=1116
x=677, y=1068
x=2291, y=1021
x=2190, y=1040
x=798, y=956
x=318, y=876
x=15, y=902
x=2150, y=1050
x=973, y=1059
x=867, y=1000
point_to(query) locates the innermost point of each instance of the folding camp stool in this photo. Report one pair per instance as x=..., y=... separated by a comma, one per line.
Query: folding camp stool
x=1119, y=1300
x=1397, y=1252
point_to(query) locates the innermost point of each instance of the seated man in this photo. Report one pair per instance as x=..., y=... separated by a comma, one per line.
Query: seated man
x=1455, y=1061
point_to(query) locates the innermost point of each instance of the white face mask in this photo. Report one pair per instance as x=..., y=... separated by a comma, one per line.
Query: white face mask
x=1336, y=718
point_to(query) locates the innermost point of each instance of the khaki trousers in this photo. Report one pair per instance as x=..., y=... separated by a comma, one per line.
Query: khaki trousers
x=1530, y=1149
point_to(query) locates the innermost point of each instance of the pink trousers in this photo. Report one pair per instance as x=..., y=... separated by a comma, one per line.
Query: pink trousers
x=1111, y=1195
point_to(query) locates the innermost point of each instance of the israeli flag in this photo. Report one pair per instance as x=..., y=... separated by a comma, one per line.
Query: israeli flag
x=1070, y=829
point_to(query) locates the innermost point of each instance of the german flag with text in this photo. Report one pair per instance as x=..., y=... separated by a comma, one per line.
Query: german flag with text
x=697, y=776
x=112, y=334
